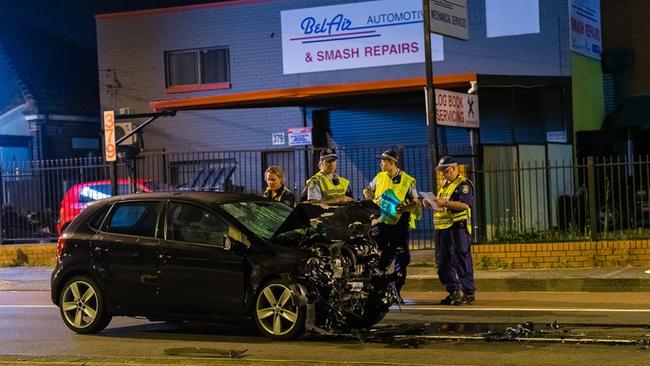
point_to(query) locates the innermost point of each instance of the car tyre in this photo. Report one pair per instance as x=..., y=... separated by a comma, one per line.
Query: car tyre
x=276, y=313
x=82, y=306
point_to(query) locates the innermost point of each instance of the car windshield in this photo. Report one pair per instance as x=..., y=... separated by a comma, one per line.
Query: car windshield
x=262, y=218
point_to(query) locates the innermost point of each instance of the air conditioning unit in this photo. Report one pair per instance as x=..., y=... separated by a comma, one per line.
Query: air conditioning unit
x=122, y=129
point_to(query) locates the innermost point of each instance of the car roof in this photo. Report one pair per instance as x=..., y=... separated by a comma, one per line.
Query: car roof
x=202, y=197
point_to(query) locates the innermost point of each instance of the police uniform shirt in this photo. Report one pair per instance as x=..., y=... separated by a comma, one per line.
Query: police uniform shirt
x=412, y=192
x=463, y=193
x=314, y=192
x=286, y=196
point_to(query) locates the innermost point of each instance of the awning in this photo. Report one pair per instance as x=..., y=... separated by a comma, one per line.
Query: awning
x=305, y=95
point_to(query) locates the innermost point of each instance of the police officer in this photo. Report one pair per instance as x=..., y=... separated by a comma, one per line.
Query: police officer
x=275, y=188
x=392, y=234
x=326, y=186
x=452, y=220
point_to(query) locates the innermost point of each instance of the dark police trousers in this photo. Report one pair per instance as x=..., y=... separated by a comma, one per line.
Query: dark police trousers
x=454, y=258
x=393, y=241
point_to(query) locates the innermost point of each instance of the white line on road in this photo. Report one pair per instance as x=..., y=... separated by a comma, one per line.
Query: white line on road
x=28, y=306
x=474, y=308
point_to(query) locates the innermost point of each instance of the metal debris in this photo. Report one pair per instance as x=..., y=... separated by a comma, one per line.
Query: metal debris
x=205, y=352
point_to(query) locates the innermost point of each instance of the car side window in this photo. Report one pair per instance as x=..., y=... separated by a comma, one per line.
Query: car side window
x=97, y=220
x=193, y=224
x=134, y=218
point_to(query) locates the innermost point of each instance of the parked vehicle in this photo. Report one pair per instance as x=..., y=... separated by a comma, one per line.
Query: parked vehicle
x=221, y=257
x=81, y=195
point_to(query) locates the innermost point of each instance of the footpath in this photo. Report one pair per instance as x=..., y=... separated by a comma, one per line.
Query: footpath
x=422, y=277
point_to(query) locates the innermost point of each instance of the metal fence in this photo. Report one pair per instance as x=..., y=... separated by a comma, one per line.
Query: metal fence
x=558, y=201
x=545, y=201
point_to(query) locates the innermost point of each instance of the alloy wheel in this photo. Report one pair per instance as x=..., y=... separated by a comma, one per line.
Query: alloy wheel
x=80, y=304
x=276, y=311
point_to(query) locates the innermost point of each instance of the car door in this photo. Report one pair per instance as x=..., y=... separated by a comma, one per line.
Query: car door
x=199, y=275
x=125, y=251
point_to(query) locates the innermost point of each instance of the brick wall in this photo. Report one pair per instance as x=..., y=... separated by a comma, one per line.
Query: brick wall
x=515, y=256
x=564, y=255
x=28, y=255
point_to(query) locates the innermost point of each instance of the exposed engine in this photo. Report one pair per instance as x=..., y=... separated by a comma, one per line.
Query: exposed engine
x=344, y=281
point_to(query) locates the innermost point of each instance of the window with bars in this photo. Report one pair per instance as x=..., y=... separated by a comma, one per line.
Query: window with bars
x=199, y=67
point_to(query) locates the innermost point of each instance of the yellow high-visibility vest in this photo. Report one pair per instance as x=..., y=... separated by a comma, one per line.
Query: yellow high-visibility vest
x=444, y=218
x=327, y=187
x=384, y=182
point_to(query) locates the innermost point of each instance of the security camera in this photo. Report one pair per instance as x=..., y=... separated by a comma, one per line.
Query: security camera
x=473, y=87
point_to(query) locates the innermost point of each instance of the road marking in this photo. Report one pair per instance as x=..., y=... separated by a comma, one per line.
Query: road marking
x=610, y=274
x=474, y=308
x=28, y=306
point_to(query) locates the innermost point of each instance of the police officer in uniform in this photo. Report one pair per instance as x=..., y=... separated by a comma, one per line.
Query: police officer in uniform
x=392, y=233
x=275, y=188
x=452, y=221
x=326, y=186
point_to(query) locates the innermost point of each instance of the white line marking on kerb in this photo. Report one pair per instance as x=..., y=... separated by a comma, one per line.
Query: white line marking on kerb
x=27, y=306
x=473, y=308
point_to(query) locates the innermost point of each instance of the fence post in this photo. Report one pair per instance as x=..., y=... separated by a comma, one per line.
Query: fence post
x=593, y=210
x=113, y=173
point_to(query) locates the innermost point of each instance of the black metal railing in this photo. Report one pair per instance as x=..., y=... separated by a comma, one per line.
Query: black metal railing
x=543, y=201
x=558, y=201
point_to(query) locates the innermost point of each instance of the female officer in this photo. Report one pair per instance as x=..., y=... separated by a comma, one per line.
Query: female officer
x=275, y=189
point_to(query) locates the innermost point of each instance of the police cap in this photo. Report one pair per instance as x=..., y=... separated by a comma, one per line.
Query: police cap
x=389, y=155
x=328, y=154
x=446, y=162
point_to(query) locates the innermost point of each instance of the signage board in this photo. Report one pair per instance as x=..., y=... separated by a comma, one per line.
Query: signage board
x=110, y=148
x=556, y=136
x=277, y=138
x=585, y=27
x=449, y=18
x=357, y=35
x=456, y=109
x=299, y=136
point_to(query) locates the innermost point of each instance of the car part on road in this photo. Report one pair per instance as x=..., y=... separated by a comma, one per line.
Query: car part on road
x=205, y=352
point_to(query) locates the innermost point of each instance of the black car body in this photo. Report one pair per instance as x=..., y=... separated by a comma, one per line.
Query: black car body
x=221, y=257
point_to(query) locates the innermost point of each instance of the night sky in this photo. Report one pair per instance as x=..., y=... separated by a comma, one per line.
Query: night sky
x=74, y=19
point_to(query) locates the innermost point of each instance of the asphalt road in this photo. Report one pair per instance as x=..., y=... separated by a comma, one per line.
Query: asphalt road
x=31, y=332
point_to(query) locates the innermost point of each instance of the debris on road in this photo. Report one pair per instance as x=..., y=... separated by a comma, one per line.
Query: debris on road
x=205, y=352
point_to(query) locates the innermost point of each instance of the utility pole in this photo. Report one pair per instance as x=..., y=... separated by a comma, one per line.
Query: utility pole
x=429, y=91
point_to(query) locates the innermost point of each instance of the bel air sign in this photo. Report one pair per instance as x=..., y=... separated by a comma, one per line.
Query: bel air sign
x=349, y=36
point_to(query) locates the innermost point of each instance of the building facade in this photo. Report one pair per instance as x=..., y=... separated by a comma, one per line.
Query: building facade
x=242, y=73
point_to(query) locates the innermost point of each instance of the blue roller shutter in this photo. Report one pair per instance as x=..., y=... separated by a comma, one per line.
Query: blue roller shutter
x=386, y=127
x=378, y=126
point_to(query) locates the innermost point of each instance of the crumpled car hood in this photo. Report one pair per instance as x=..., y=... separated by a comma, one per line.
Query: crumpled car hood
x=335, y=219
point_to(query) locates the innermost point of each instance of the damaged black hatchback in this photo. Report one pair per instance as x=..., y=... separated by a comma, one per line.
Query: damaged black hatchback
x=220, y=257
